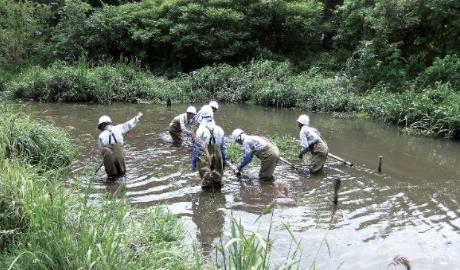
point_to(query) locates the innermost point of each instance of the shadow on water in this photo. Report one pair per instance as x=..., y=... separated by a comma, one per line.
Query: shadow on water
x=412, y=208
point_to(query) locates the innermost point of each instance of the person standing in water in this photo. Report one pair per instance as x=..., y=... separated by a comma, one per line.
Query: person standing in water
x=110, y=143
x=182, y=124
x=311, y=140
x=267, y=152
x=209, y=151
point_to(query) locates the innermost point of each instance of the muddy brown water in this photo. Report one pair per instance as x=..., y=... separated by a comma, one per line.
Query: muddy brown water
x=411, y=209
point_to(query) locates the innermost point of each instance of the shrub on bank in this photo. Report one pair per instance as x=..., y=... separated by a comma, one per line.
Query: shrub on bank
x=34, y=141
x=443, y=70
x=433, y=109
x=100, y=84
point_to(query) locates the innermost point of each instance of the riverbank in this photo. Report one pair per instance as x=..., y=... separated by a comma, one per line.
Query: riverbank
x=431, y=111
x=47, y=225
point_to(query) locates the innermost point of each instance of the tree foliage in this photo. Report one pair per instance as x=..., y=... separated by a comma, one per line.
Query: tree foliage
x=22, y=31
x=382, y=44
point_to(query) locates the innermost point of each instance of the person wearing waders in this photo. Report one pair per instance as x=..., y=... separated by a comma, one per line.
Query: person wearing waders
x=262, y=148
x=311, y=140
x=110, y=143
x=182, y=124
x=209, y=152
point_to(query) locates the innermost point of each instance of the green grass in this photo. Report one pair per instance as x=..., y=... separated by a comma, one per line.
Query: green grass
x=34, y=141
x=234, y=152
x=432, y=110
x=289, y=146
x=66, y=230
x=251, y=250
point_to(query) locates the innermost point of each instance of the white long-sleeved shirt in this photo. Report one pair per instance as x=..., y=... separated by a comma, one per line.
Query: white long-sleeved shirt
x=250, y=145
x=114, y=134
x=253, y=143
x=308, y=136
x=184, y=122
x=204, y=135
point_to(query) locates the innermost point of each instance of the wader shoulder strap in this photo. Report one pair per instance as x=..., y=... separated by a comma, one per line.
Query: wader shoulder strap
x=110, y=138
x=212, y=140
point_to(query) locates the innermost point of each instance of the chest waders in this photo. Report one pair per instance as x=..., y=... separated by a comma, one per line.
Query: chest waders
x=114, y=158
x=319, y=151
x=176, y=133
x=269, y=157
x=210, y=164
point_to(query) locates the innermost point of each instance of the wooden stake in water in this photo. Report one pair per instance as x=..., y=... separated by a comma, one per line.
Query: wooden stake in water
x=168, y=102
x=337, y=184
x=380, y=164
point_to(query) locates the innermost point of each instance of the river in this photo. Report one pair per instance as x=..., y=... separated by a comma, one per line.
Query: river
x=411, y=209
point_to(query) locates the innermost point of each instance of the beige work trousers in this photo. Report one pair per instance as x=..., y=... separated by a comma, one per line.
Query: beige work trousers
x=269, y=157
x=176, y=133
x=319, y=155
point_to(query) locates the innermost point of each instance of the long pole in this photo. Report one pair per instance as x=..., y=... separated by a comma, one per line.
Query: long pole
x=287, y=162
x=348, y=163
x=98, y=168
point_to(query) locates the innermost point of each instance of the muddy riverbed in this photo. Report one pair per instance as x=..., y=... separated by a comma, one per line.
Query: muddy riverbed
x=411, y=209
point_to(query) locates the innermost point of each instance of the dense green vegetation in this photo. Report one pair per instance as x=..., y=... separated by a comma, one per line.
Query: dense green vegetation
x=45, y=225
x=396, y=60
x=431, y=110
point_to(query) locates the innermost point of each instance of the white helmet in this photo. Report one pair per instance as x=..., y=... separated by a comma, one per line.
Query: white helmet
x=191, y=109
x=236, y=134
x=104, y=119
x=206, y=112
x=304, y=120
x=214, y=104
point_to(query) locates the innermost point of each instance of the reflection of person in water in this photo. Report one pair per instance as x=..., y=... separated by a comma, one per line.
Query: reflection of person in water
x=208, y=218
x=255, y=195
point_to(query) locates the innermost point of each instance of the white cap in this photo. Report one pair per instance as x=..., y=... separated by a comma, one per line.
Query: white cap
x=304, y=120
x=236, y=134
x=104, y=119
x=214, y=104
x=191, y=109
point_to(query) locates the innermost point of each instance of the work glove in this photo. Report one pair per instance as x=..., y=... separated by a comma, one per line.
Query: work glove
x=303, y=152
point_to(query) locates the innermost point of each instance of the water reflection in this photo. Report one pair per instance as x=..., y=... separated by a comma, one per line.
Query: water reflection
x=209, y=217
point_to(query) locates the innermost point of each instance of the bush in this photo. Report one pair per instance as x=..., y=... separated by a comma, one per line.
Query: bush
x=375, y=63
x=434, y=111
x=34, y=141
x=222, y=82
x=23, y=31
x=443, y=70
x=83, y=83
